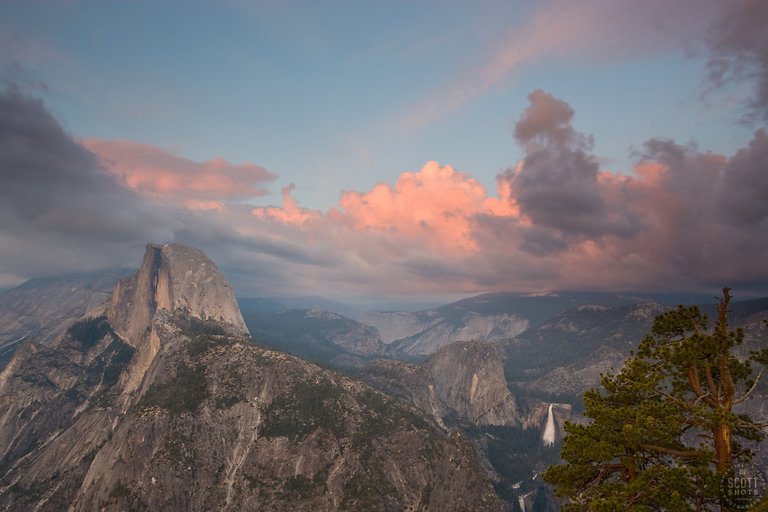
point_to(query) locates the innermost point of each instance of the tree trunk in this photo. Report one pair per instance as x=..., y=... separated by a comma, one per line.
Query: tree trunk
x=722, y=432
x=723, y=448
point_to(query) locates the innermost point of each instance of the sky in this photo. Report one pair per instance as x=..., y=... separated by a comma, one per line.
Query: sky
x=408, y=149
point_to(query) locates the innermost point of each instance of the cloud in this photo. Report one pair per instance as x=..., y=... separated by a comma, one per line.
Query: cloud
x=436, y=203
x=739, y=45
x=704, y=220
x=557, y=184
x=744, y=203
x=683, y=219
x=289, y=213
x=158, y=173
x=58, y=209
x=16, y=55
x=431, y=209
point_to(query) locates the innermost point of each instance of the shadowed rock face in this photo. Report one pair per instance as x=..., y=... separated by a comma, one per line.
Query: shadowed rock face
x=160, y=401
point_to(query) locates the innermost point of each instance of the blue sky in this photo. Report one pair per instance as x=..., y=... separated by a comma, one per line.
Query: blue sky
x=319, y=92
x=200, y=114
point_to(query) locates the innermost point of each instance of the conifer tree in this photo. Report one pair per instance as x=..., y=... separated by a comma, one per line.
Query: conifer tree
x=663, y=430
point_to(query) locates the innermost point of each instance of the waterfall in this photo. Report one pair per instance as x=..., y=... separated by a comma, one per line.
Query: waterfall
x=521, y=502
x=549, y=430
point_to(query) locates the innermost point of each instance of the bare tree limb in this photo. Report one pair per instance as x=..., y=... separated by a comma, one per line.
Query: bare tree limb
x=751, y=389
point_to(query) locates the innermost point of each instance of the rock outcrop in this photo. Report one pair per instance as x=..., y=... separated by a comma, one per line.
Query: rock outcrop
x=469, y=378
x=160, y=401
x=173, y=278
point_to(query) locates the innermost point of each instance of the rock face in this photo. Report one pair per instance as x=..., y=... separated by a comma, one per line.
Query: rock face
x=487, y=317
x=464, y=381
x=394, y=325
x=162, y=402
x=173, y=278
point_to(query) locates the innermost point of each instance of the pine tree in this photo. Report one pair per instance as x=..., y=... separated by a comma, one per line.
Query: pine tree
x=663, y=431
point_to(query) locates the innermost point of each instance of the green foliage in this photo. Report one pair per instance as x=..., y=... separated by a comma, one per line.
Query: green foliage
x=515, y=453
x=197, y=327
x=662, y=430
x=177, y=447
x=120, y=491
x=368, y=489
x=123, y=494
x=302, y=487
x=306, y=407
x=382, y=416
x=182, y=394
x=200, y=344
x=89, y=331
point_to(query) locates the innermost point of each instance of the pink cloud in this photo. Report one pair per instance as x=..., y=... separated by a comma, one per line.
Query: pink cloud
x=436, y=203
x=433, y=207
x=155, y=172
x=289, y=213
x=683, y=218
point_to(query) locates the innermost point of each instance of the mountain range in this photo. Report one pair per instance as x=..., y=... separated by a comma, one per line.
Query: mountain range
x=161, y=390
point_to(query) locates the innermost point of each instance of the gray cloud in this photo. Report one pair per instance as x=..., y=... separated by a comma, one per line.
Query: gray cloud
x=745, y=202
x=557, y=184
x=706, y=217
x=739, y=45
x=58, y=210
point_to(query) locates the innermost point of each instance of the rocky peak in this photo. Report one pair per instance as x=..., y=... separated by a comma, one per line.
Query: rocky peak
x=173, y=278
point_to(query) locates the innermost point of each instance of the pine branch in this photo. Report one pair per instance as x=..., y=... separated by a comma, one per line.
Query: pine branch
x=685, y=454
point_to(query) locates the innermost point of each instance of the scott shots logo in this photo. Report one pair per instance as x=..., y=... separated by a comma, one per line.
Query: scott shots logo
x=742, y=487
